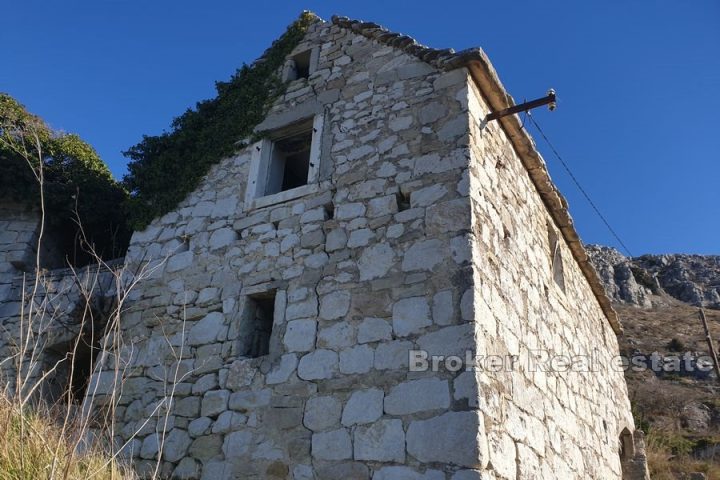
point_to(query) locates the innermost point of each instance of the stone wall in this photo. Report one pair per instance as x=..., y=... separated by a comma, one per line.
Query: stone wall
x=18, y=242
x=423, y=231
x=539, y=424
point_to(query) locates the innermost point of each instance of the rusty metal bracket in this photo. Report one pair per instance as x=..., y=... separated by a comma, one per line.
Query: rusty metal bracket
x=548, y=100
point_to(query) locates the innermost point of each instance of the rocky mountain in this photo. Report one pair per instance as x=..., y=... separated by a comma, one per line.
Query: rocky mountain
x=651, y=280
x=679, y=410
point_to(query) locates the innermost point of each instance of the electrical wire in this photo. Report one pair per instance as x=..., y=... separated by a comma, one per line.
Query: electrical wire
x=577, y=184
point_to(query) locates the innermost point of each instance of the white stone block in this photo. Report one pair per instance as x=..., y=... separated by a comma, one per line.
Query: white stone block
x=418, y=396
x=300, y=335
x=410, y=315
x=382, y=441
x=364, y=406
x=318, y=365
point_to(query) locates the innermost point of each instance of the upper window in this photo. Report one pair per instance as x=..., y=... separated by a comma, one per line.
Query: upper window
x=556, y=260
x=285, y=161
x=289, y=162
x=300, y=65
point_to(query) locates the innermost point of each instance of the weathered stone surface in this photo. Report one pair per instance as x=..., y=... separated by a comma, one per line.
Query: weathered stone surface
x=300, y=335
x=364, y=406
x=455, y=437
x=334, y=305
x=176, y=444
x=358, y=359
x=424, y=255
x=382, y=441
x=417, y=396
x=407, y=473
x=375, y=261
x=410, y=315
x=318, y=365
x=215, y=402
x=281, y=373
x=332, y=445
x=374, y=330
x=207, y=330
x=322, y=413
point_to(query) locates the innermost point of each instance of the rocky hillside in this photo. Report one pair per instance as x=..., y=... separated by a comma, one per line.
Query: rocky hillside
x=657, y=298
x=645, y=280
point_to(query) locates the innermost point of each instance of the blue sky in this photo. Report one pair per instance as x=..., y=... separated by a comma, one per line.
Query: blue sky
x=638, y=81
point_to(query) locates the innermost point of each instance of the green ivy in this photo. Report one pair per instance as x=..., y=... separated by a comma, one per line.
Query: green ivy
x=164, y=169
x=78, y=187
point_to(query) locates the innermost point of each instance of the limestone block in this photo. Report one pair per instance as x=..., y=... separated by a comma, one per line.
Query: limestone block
x=453, y=340
x=305, y=309
x=207, y=330
x=347, y=211
x=336, y=239
x=179, y=261
x=502, y=454
x=199, y=426
x=176, y=445
x=358, y=359
x=410, y=315
x=318, y=365
x=360, y=238
x=322, y=413
x=392, y=355
x=241, y=374
x=150, y=446
x=335, y=305
x=187, y=469
x=380, y=206
x=228, y=421
x=418, y=396
x=300, y=335
x=187, y=407
x=282, y=371
x=424, y=255
x=375, y=261
x=214, y=402
x=205, y=383
x=332, y=445
x=406, y=473
x=336, y=336
x=382, y=441
x=454, y=437
x=373, y=330
x=443, y=311
x=221, y=238
x=237, y=444
x=428, y=195
x=364, y=406
x=448, y=216
x=247, y=400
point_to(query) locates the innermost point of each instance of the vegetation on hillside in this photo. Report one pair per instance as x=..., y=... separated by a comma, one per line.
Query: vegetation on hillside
x=679, y=413
x=77, y=185
x=163, y=169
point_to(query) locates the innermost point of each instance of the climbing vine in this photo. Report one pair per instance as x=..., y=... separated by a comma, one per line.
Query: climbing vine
x=163, y=169
x=78, y=188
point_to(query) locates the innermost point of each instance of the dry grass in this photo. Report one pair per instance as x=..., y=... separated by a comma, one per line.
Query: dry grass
x=666, y=466
x=35, y=446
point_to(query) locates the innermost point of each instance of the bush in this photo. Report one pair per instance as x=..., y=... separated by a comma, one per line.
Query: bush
x=77, y=185
x=675, y=345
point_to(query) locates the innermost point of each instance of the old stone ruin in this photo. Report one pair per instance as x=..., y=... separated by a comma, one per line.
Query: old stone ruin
x=271, y=330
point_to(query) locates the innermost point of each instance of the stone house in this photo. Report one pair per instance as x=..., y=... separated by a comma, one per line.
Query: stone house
x=379, y=220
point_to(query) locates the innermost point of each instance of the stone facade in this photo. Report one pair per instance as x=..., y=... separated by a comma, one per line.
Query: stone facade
x=423, y=228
